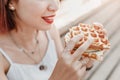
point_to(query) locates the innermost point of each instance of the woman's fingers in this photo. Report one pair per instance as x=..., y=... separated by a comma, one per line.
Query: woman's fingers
x=81, y=72
x=70, y=45
x=89, y=65
x=77, y=65
x=82, y=48
x=80, y=63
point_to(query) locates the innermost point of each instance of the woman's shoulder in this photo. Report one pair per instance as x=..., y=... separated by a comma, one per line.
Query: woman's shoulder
x=4, y=43
x=4, y=64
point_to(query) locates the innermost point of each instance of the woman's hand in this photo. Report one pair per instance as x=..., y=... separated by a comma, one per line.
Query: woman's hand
x=69, y=66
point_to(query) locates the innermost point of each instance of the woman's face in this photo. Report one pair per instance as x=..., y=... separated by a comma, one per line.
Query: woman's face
x=38, y=14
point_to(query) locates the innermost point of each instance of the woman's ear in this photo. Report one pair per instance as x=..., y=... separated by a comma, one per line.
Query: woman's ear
x=12, y=5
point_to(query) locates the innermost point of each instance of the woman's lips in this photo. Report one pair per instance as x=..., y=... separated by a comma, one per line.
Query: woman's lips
x=49, y=19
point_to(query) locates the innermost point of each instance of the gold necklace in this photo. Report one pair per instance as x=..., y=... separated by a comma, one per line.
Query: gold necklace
x=41, y=67
x=32, y=52
x=23, y=49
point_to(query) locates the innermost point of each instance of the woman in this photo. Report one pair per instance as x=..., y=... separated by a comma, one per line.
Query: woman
x=30, y=46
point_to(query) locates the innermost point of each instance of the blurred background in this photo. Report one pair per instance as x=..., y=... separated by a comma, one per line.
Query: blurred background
x=107, y=12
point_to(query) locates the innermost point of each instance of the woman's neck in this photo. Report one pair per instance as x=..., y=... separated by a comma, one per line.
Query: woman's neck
x=25, y=38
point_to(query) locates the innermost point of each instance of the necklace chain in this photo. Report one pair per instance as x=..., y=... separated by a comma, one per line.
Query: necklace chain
x=23, y=49
x=42, y=67
x=32, y=52
x=26, y=52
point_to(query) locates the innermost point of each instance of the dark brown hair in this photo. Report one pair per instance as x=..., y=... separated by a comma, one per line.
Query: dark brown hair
x=7, y=22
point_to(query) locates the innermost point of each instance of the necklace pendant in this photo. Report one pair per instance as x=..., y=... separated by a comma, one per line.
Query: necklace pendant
x=37, y=42
x=32, y=52
x=42, y=67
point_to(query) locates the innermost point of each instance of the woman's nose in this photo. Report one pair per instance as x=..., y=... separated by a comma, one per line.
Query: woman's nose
x=53, y=6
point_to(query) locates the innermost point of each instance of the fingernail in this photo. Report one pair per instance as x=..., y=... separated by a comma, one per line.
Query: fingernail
x=78, y=37
x=91, y=39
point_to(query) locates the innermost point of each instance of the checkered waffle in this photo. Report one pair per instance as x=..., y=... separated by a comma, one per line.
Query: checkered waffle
x=100, y=43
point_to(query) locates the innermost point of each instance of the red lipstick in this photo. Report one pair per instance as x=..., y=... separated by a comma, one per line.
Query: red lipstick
x=48, y=19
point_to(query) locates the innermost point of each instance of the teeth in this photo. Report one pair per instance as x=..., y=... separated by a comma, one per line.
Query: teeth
x=50, y=18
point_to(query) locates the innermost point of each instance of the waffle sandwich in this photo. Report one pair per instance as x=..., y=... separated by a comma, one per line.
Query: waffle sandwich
x=100, y=44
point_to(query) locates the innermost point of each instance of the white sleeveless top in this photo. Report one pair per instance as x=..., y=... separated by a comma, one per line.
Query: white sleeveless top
x=32, y=72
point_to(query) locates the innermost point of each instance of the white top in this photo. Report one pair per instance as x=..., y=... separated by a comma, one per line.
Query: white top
x=32, y=72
